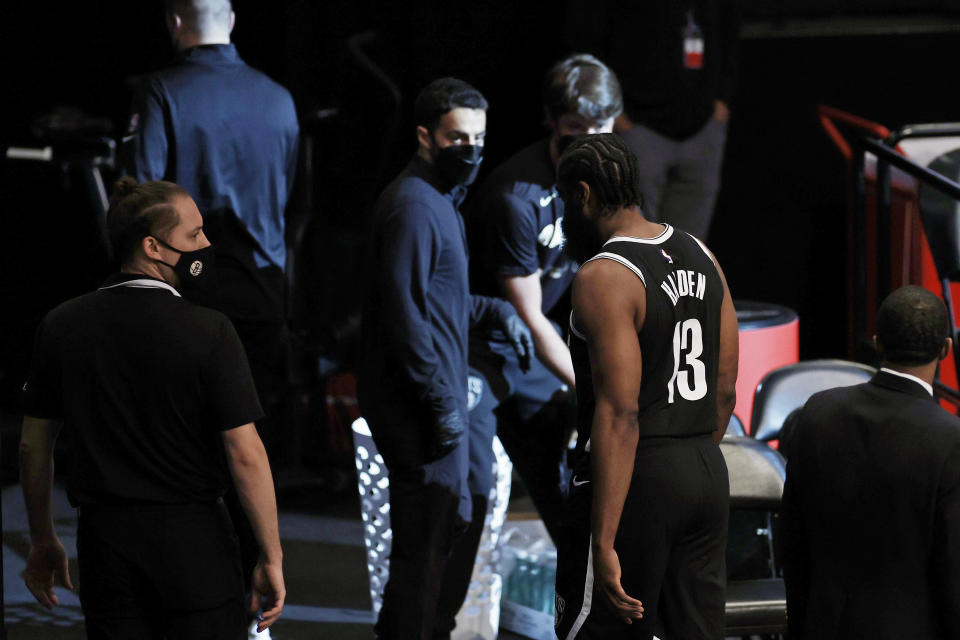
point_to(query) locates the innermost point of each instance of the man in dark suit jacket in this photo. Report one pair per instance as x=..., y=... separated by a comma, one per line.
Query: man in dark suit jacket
x=871, y=507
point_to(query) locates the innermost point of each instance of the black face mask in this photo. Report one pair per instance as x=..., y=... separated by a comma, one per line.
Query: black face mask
x=458, y=164
x=581, y=240
x=194, y=269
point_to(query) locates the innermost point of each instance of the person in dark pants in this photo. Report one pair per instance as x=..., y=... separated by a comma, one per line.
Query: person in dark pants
x=228, y=134
x=655, y=352
x=870, y=521
x=159, y=400
x=677, y=60
x=413, y=375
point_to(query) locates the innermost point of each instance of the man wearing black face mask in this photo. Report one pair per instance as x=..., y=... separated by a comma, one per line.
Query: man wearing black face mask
x=157, y=395
x=413, y=373
x=192, y=271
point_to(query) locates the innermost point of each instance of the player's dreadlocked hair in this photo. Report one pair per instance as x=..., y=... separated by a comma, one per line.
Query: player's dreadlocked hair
x=912, y=325
x=605, y=163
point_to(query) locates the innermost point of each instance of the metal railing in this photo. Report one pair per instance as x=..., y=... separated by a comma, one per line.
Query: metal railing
x=889, y=157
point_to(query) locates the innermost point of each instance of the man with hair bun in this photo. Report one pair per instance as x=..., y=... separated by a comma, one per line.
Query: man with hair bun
x=870, y=521
x=158, y=397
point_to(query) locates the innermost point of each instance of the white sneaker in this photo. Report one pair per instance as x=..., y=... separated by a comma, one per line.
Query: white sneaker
x=253, y=634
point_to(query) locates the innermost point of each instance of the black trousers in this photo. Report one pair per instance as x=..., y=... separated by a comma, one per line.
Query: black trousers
x=428, y=512
x=160, y=571
x=671, y=543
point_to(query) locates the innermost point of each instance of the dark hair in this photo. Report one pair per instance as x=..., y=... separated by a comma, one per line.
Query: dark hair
x=605, y=163
x=442, y=96
x=912, y=325
x=582, y=85
x=140, y=210
x=200, y=16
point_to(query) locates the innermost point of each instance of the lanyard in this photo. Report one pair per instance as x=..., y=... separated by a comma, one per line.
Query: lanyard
x=144, y=283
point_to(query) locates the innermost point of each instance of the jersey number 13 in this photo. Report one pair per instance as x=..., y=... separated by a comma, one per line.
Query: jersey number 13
x=691, y=383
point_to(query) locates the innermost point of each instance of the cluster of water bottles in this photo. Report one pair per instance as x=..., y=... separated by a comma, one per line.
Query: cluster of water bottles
x=532, y=580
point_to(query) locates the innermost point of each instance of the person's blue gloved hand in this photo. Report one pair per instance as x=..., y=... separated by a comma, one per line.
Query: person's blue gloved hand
x=448, y=430
x=519, y=336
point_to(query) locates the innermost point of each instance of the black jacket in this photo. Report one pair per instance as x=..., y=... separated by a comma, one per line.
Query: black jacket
x=871, y=515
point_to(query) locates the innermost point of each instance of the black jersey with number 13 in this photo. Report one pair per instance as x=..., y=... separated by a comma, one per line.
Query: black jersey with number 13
x=679, y=340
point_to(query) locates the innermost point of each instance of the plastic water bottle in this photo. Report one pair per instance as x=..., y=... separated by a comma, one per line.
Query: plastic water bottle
x=549, y=584
x=535, y=591
x=518, y=580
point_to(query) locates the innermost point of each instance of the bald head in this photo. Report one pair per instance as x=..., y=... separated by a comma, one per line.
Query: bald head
x=912, y=327
x=196, y=22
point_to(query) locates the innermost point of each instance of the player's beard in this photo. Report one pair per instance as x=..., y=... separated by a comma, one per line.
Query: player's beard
x=581, y=239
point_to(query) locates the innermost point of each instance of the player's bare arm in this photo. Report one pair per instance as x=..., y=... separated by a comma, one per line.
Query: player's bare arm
x=525, y=294
x=609, y=305
x=729, y=358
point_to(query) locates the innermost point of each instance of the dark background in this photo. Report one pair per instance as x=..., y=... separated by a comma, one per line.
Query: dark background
x=779, y=229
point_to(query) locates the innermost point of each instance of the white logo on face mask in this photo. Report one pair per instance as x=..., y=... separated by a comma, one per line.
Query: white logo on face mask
x=196, y=268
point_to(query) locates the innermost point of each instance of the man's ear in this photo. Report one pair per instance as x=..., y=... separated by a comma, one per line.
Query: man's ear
x=233, y=21
x=947, y=347
x=585, y=193
x=424, y=139
x=151, y=248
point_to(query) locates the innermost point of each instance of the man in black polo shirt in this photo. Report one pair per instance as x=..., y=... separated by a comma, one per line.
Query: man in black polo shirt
x=155, y=391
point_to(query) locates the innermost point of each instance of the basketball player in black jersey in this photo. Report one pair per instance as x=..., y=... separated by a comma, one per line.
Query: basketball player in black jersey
x=654, y=346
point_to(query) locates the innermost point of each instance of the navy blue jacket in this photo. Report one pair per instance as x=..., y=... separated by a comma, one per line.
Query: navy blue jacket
x=224, y=132
x=417, y=313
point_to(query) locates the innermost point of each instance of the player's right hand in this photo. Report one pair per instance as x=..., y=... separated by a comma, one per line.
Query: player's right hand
x=46, y=565
x=606, y=571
